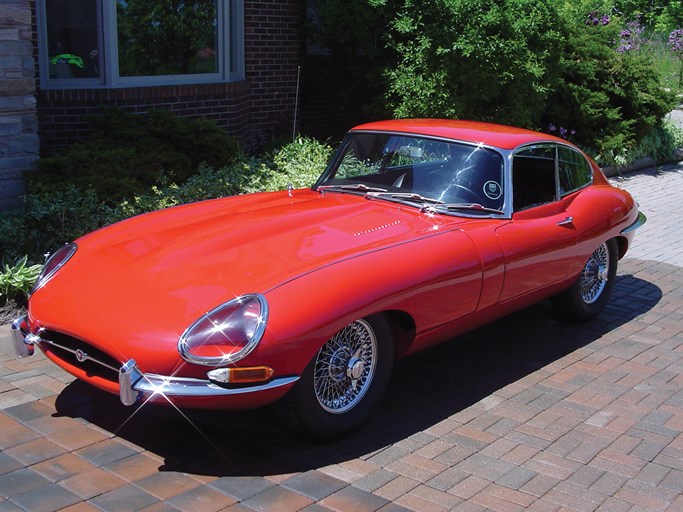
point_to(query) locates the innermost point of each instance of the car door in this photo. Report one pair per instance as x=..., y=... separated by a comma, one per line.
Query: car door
x=539, y=242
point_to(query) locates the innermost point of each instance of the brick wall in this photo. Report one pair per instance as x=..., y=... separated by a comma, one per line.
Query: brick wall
x=18, y=122
x=254, y=110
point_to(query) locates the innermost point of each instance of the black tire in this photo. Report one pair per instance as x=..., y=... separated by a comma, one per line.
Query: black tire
x=343, y=383
x=589, y=294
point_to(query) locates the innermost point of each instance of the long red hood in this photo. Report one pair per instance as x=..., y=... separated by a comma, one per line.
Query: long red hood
x=159, y=272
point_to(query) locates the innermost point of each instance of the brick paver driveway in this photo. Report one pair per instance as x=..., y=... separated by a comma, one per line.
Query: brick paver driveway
x=528, y=413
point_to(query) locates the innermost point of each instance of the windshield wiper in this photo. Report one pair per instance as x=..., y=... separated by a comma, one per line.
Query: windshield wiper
x=412, y=197
x=356, y=187
x=468, y=206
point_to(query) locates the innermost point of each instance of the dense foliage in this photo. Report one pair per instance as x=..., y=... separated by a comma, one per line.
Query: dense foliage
x=610, y=95
x=491, y=61
x=127, y=153
x=585, y=67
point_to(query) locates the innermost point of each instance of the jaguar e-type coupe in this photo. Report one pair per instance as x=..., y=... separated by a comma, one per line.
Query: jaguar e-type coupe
x=417, y=231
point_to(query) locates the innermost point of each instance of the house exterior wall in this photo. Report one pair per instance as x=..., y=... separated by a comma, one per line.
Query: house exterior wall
x=253, y=109
x=19, y=144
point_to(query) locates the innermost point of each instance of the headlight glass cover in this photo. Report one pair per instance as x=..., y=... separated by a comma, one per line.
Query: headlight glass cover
x=227, y=333
x=53, y=264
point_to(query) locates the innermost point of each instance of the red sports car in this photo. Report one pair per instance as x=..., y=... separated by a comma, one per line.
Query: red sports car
x=417, y=231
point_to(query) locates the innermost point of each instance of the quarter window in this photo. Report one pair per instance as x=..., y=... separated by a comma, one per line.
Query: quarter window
x=91, y=43
x=574, y=170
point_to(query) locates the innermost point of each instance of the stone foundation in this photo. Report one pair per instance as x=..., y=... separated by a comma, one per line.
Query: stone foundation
x=19, y=144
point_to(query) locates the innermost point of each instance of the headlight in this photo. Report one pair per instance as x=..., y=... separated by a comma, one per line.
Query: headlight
x=53, y=264
x=226, y=334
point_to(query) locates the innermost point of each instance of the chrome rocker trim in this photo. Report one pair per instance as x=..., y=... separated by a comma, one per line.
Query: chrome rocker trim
x=133, y=384
x=638, y=223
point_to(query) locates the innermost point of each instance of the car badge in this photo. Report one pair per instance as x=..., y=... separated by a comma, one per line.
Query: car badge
x=81, y=356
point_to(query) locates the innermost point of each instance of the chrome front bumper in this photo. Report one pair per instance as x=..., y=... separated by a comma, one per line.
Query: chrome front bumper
x=135, y=385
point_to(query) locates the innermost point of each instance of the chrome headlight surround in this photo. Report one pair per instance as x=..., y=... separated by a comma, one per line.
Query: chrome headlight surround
x=227, y=333
x=53, y=264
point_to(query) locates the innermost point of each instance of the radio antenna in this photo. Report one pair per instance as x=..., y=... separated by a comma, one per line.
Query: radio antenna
x=296, y=101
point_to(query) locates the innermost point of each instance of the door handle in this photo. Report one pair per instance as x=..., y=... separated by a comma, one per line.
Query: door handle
x=566, y=221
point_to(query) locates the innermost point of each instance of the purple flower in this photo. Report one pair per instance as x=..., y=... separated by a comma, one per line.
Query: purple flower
x=631, y=37
x=552, y=127
x=675, y=41
x=563, y=132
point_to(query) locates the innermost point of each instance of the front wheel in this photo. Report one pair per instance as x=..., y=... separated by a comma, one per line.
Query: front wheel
x=589, y=294
x=345, y=380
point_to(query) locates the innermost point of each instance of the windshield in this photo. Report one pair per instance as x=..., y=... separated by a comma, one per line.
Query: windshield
x=418, y=169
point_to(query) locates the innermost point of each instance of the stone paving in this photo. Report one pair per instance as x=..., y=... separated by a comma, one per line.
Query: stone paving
x=525, y=414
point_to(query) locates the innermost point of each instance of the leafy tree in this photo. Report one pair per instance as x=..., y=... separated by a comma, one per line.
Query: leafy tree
x=475, y=59
x=579, y=65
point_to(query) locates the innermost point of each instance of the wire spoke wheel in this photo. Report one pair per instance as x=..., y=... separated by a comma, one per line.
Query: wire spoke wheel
x=345, y=380
x=594, y=275
x=345, y=367
x=589, y=294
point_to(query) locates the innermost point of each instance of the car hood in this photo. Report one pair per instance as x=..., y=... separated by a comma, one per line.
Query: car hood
x=167, y=268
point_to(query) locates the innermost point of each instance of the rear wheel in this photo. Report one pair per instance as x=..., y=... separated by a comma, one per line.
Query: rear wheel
x=589, y=294
x=345, y=380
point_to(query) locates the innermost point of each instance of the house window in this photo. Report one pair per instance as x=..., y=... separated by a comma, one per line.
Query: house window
x=123, y=43
x=73, y=44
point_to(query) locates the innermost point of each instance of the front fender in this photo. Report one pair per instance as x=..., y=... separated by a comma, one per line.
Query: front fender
x=434, y=280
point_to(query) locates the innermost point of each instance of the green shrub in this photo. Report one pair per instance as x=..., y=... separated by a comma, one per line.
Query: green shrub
x=17, y=279
x=49, y=219
x=663, y=143
x=298, y=163
x=609, y=94
x=481, y=60
x=128, y=153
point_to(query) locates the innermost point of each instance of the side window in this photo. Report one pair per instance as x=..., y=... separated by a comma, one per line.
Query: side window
x=533, y=177
x=574, y=170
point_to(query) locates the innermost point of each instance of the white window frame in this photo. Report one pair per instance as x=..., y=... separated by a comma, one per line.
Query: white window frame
x=230, y=40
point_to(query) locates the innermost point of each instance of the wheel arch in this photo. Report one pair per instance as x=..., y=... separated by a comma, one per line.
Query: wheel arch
x=622, y=245
x=402, y=328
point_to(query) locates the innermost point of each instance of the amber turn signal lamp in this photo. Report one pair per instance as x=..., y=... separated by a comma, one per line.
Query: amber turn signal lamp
x=241, y=375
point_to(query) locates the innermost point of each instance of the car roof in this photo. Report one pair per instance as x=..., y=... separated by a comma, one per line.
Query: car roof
x=488, y=134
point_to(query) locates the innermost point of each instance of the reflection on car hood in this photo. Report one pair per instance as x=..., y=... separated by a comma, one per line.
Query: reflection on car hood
x=174, y=265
